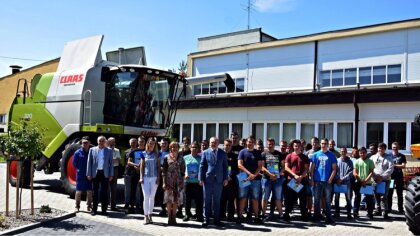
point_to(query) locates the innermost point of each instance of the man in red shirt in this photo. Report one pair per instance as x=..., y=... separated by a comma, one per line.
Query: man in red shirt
x=297, y=167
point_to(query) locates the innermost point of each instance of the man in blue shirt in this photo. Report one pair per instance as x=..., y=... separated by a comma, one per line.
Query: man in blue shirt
x=323, y=170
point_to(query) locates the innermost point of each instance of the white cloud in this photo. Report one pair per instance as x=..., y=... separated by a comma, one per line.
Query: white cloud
x=275, y=5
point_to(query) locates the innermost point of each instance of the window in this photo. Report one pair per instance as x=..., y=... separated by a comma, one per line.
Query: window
x=213, y=88
x=394, y=73
x=2, y=118
x=415, y=134
x=237, y=127
x=325, y=78
x=258, y=131
x=223, y=132
x=197, y=89
x=379, y=75
x=344, y=135
x=307, y=131
x=325, y=131
x=240, y=85
x=365, y=75
x=176, y=131
x=374, y=133
x=397, y=133
x=273, y=131
x=289, y=131
x=198, y=132
x=210, y=131
x=186, y=130
x=222, y=87
x=337, y=78
x=205, y=88
x=350, y=76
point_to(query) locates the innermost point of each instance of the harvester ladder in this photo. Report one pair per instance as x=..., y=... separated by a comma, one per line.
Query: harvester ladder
x=87, y=107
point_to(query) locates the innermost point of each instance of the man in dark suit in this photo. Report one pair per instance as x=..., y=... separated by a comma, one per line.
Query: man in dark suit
x=100, y=169
x=213, y=176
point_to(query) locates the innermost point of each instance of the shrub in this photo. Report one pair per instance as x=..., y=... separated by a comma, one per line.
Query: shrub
x=45, y=209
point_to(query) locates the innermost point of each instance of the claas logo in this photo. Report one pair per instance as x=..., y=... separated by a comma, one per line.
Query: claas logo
x=71, y=78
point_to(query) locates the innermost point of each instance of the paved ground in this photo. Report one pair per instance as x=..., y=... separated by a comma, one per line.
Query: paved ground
x=48, y=191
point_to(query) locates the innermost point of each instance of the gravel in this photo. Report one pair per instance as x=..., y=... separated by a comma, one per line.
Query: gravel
x=26, y=218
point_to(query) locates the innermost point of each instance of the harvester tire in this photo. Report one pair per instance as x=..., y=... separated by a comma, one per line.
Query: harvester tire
x=68, y=171
x=25, y=177
x=412, y=205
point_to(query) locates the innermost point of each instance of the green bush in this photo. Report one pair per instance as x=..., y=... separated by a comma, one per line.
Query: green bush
x=45, y=209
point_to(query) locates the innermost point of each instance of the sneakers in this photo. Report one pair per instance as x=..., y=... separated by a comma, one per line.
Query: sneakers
x=186, y=218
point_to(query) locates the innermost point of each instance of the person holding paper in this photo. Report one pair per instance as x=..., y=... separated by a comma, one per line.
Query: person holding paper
x=399, y=164
x=273, y=172
x=193, y=191
x=213, y=176
x=344, y=177
x=250, y=162
x=323, y=170
x=384, y=166
x=362, y=172
x=296, y=166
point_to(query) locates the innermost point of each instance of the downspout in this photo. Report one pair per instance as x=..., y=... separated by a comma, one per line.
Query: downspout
x=315, y=66
x=356, y=119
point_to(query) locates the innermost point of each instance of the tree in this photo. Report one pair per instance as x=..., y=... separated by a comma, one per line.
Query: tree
x=183, y=66
x=24, y=143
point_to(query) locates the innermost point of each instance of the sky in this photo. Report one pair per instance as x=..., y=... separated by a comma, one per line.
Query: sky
x=32, y=32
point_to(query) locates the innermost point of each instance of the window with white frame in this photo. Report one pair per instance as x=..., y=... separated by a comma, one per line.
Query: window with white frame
x=289, y=131
x=176, y=129
x=186, y=130
x=218, y=87
x=198, y=132
x=344, y=135
x=258, y=130
x=238, y=128
x=381, y=74
x=397, y=133
x=374, y=133
x=210, y=131
x=307, y=131
x=326, y=130
x=273, y=131
x=223, y=132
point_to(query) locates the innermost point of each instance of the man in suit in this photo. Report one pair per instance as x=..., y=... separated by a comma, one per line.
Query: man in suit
x=100, y=169
x=213, y=176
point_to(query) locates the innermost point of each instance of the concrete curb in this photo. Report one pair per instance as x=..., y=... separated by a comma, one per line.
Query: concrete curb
x=25, y=228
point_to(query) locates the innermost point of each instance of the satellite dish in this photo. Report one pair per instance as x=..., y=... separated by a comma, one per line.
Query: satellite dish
x=135, y=56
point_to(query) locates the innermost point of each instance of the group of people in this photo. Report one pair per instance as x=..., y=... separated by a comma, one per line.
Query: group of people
x=241, y=179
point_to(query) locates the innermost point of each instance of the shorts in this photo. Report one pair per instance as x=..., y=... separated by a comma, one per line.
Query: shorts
x=273, y=186
x=254, y=189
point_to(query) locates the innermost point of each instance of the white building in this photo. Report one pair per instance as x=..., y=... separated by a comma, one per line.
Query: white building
x=357, y=86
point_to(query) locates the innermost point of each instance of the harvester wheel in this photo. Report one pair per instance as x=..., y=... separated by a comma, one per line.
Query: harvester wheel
x=68, y=171
x=412, y=205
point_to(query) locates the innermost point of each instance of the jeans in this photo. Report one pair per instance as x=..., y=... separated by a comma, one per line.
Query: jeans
x=348, y=195
x=149, y=191
x=275, y=187
x=254, y=189
x=357, y=197
x=127, y=189
x=322, y=189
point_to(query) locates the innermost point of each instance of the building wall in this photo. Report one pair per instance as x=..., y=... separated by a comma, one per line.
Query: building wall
x=8, y=85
